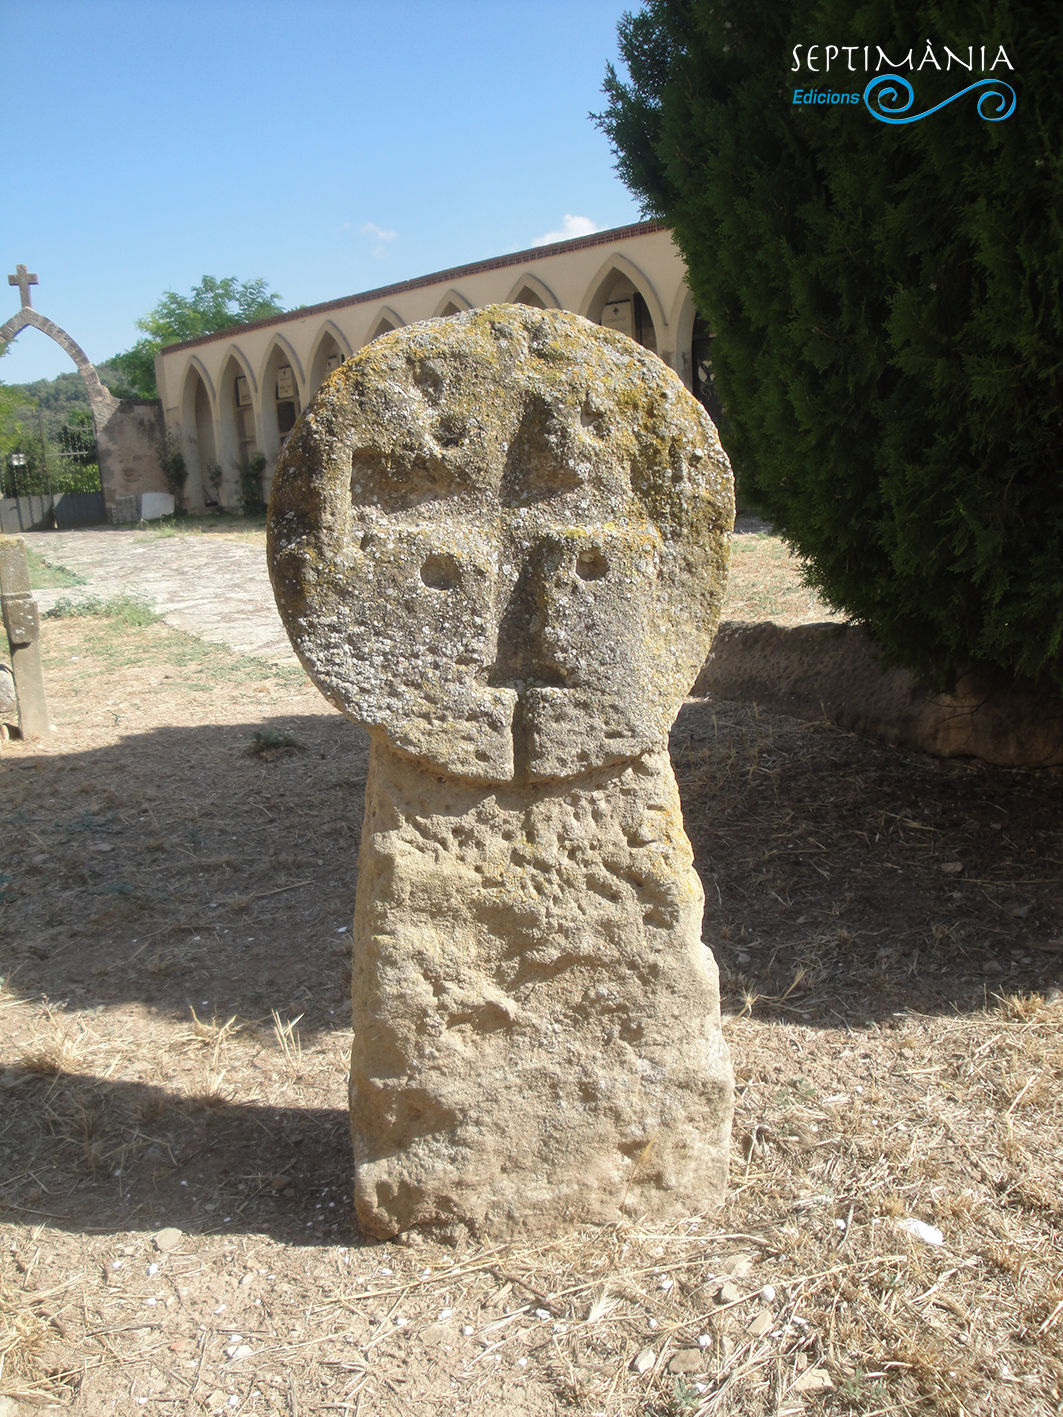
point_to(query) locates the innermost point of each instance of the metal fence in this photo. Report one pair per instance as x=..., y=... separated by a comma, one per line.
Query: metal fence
x=56, y=462
x=52, y=480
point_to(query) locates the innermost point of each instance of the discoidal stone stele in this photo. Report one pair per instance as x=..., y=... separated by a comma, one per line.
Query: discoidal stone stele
x=499, y=541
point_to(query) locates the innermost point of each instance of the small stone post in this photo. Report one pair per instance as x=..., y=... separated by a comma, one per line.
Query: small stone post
x=500, y=542
x=23, y=626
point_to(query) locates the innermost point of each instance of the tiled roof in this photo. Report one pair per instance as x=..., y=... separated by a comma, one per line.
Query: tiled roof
x=517, y=258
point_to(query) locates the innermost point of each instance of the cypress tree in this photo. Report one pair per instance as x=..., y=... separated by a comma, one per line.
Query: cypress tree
x=886, y=301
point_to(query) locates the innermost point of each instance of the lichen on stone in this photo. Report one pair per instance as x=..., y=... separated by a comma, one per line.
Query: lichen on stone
x=500, y=542
x=528, y=517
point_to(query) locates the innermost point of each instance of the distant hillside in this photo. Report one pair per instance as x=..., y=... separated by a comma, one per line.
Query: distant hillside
x=59, y=397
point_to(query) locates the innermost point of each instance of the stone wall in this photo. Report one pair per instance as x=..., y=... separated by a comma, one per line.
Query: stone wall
x=830, y=673
x=129, y=436
x=129, y=432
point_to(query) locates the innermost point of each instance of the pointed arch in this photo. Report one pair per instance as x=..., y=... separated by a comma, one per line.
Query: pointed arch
x=331, y=344
x=238, y=422
x=283, y=394
x=235, y=352
x=101, y=400
x=290, y=358
x=391, y=315
x=532, y=283
x=195, y=362
x=616, y=270
x=346, y=348
x=453, y=303
x=199, y=445
x=386, y=319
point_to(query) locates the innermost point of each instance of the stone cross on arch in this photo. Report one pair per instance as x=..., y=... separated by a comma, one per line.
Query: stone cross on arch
x=103, y=402
x=23, y=279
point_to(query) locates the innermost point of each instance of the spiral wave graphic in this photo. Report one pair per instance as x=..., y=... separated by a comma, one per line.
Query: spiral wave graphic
x=883, y=92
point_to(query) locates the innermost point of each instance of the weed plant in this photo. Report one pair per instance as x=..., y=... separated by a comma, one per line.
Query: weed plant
x=125, y=630
x=44, y=576
x=133, y=611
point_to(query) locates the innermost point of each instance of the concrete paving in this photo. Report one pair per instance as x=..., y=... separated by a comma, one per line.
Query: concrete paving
x=212, y=586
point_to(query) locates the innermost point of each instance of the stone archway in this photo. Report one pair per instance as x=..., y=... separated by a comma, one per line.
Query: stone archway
x=129, y=432
x=331, y=350
x=283, y=396
x=453, y=303
x=622, y=298
x=530, y=290
x=197, y=415
x=99, y=397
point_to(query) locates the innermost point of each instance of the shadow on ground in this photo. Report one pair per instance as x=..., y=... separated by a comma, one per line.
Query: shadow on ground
x=174, y=940
x=214, y=869
x=209, y=868
x=201, y=1163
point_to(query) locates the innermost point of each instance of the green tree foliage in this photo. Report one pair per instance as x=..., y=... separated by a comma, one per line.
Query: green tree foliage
x=251, y=472
x=57, y=397
x=69, y=463
x=15, y=435
x=11, y=401
x=213, y=305
x=886, y=302
x=175, y=470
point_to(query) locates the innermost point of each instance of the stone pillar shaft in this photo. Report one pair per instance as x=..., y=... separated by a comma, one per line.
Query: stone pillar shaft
x=536, y=1019
x=23, y=627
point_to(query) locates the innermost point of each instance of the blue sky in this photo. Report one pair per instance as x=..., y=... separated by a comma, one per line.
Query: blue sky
x=329, y=146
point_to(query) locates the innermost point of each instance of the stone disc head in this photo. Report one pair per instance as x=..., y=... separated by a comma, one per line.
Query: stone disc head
x=501, y=540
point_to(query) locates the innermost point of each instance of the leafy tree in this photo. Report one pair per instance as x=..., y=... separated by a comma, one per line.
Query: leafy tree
x=251, y=485
x=57, y=397
x=887, y=302
x=213, y=305
x=14, y=434
x=11, y=401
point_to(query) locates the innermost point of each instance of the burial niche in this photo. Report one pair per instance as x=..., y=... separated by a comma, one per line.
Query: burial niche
x=281, y=387
x=620, y=305
x=527, y=296
x=238, y=405
x=328, y=356
x=200, y=451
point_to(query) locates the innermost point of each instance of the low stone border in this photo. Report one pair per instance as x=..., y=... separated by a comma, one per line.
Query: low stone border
x=829, y=671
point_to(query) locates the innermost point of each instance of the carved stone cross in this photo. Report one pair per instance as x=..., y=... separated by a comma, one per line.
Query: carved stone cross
x=23, y=280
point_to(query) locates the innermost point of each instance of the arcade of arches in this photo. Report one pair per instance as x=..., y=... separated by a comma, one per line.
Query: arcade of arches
x=232, y=398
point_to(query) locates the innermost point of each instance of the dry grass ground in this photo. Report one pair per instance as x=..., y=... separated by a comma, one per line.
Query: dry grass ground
x=765, y=581
x=177, y=883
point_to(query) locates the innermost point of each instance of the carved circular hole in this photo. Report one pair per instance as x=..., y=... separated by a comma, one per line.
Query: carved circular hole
x=591, y=565
x=450, y=432
x=440, y=572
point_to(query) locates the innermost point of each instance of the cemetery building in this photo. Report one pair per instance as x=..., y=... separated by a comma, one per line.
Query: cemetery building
x=237, y=393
